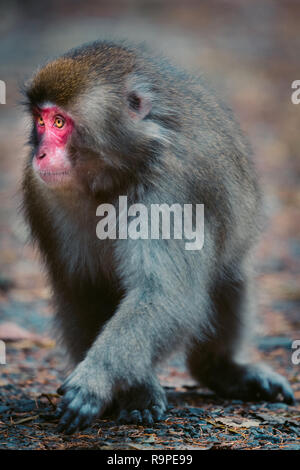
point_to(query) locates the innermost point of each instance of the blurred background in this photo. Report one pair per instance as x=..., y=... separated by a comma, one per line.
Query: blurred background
x=251, y=51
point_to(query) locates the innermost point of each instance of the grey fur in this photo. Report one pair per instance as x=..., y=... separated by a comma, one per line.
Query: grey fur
x=124, y=305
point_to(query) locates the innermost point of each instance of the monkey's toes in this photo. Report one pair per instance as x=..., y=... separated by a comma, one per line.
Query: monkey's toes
x=259, y=383
x=77, y=410
x=270, y=386
x=147, y=416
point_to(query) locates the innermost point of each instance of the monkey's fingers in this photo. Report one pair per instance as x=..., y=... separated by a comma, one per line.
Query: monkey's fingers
x=76, y=411
x=158, y=412
x=72, y=421
x=78, y=422
x=147, y=417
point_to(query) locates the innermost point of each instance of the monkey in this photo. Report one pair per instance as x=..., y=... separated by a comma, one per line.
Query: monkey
x=111, y=119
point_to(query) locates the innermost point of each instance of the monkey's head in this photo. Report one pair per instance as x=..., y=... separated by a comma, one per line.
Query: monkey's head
x=99, y=118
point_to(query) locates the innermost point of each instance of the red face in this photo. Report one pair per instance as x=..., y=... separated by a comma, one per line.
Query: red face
x=51, y=161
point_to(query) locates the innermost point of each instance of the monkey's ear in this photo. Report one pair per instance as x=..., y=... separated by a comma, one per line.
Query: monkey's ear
x=139, y=105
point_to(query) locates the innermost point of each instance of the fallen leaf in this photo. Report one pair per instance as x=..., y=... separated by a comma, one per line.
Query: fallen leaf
x=236, y=422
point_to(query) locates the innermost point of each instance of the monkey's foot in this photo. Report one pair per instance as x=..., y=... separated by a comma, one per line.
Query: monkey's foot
x=81, y=402
x=252, y=383
x=142, y=405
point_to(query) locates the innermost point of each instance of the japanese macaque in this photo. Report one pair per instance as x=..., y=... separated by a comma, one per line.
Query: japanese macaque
x=109, y=120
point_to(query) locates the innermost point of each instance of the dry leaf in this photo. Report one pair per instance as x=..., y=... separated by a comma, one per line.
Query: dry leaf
x=236, y=422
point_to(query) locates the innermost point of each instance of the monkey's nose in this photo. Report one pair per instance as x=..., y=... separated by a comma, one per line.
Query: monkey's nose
x=42, y=155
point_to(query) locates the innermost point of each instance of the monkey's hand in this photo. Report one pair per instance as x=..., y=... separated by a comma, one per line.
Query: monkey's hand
x=85, y=396
x=122, y=359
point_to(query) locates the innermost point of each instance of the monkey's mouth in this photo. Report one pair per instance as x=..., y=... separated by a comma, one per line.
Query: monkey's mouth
x=55, y=178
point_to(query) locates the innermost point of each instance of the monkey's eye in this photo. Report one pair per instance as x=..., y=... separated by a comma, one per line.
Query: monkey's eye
x=59, y=122
x=40, y=121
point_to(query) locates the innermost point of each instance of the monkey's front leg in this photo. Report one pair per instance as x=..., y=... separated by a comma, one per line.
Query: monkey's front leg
x=120, y=360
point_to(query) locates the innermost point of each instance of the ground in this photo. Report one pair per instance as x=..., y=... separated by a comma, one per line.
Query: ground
x=252, y=52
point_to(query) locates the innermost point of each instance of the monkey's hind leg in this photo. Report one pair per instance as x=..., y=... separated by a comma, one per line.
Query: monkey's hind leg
x=143, y=404
x=215, y=363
